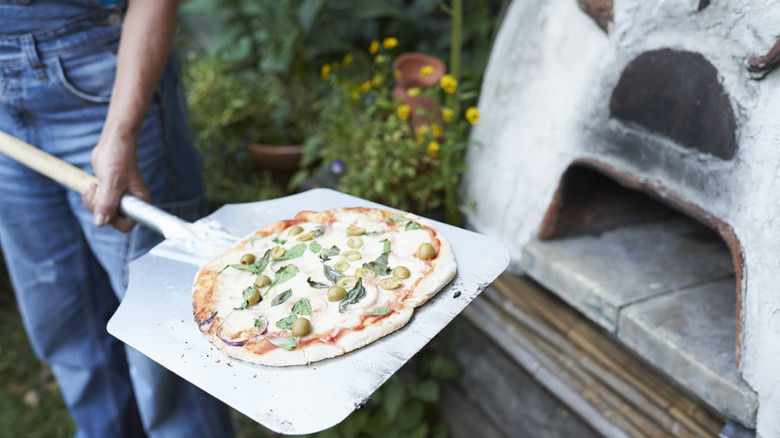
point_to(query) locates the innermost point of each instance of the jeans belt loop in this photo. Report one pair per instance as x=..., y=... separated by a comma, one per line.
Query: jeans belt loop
x=31, y=52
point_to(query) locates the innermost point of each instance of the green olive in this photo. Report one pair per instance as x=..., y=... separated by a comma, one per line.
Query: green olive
x=306, y=236
x=401, y=272
x=295, y=230
x=426, y=251
x=254, y=298
x=277, y=252
x=301, y=327
x=390, y=283
x=336, y=293
x=351, y=255
x=355, y=242
x=341, y=266
x=247, y=259
x=262, y=281
x=347, y=281
x=355, y=231
x=365, y=274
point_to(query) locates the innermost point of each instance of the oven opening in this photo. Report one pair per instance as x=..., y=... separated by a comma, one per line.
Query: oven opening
x=628, y=253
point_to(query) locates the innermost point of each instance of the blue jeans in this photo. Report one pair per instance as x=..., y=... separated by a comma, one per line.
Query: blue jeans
x=69, y=275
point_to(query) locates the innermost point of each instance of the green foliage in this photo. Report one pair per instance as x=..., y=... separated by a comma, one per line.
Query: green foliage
x=226, y=107
x=367, y=136
x=260, y=49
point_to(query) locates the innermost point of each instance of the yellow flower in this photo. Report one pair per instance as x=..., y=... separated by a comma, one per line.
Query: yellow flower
x=354, y=94
x=380, y=59
x=472, y=115
x=376, y=80
x=448, y=83
x=389, y=43
x=397, y=74
x=347, y=59
x=436, y=129
x=426, y=70
x=373, y=47
x=433, y=149
x=325, y=71
x=413, y=92
x=421, y=132
x=404, y=111
x=365, y=86
x=447, y=114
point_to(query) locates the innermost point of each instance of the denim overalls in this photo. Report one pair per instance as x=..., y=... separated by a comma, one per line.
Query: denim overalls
x=57, y=65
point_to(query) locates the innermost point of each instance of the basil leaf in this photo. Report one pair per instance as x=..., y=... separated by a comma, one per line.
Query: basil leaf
x=282, y=297
x=247, y=294
x=260, y=324
x=379, y=311
x=412, y=226
x=284, y=273
x=357, y=293
x=331, y=274
x=302, y=307
x=316, y=284
x=286, y=343
x=395, y=217
x=374, y=233
x=292, y=253
x=386, y=246
x=286, y=322
x=326, y=254
x=319, y=230
x=315, y=247
x=379, y=266
x=279, y=241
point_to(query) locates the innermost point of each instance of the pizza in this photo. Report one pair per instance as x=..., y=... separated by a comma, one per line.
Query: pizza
x=320, y=285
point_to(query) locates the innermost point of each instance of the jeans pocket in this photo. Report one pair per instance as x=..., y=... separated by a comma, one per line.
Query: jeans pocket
x=88, y=75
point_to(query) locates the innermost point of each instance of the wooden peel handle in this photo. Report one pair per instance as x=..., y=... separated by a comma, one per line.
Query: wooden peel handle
x=46, y=164
x=72, y=177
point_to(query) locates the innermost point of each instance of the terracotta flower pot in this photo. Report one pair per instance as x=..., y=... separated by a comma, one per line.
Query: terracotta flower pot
x=275, y=157
x=411, y=66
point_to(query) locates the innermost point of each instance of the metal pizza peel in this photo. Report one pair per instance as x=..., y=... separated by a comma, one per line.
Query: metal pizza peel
x=155, y=316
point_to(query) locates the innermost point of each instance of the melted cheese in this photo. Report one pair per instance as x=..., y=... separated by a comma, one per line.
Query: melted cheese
x=325, y=316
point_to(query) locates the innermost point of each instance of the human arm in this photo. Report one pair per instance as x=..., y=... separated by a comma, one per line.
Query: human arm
x=145, y=44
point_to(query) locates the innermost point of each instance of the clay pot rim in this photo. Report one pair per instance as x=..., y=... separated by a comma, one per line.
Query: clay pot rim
x=275, y=156
x=413, y=80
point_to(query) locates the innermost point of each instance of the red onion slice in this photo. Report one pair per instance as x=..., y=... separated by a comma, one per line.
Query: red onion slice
x=238, y=327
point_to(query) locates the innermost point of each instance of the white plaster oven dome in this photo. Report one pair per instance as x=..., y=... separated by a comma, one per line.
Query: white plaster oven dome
x=559, y=90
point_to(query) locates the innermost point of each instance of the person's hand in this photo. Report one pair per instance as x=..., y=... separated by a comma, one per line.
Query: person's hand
x=116, y=167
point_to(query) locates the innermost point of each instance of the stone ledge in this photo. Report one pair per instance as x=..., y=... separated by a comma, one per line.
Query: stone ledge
x=668, y=291
x=689, y=335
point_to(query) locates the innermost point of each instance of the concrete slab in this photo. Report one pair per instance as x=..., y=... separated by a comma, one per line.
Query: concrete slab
x=689, y=335
x=600, y=274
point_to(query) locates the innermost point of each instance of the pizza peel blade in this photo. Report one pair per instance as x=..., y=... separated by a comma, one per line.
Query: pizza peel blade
x=155, y=317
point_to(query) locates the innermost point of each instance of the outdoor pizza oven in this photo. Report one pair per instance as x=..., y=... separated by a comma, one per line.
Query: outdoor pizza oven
x=629, y=156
